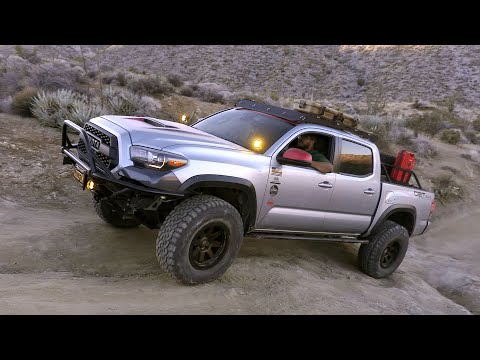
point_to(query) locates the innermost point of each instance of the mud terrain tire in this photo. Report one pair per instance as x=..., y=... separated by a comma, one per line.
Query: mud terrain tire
x=385, y=251
x=199, y=239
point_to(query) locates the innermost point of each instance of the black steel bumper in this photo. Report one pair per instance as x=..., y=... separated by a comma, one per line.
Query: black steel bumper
x=96, y=169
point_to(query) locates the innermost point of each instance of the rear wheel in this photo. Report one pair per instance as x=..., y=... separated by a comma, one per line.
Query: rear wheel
x=385, y=251
x=199, y=239
x=110, y=215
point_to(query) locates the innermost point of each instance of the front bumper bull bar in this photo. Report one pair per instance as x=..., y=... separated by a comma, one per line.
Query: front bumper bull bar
x=90, y=170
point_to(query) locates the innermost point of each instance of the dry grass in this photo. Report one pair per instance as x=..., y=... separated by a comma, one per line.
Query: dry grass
x=23, y=101
x=446, y=189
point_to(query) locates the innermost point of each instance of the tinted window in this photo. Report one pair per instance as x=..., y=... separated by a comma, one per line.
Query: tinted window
x=356, y=159
x=250, y=129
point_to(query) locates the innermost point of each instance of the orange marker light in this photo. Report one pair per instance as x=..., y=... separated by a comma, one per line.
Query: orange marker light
x=176, y=163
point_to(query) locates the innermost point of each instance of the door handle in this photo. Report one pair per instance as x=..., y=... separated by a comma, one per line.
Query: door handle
x=326, y=185
x=369, y=192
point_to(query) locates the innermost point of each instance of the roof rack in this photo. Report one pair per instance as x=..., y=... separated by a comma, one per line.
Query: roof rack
x=298, y=117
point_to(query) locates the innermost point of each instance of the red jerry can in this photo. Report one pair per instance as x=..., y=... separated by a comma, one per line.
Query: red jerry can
x=403, y=167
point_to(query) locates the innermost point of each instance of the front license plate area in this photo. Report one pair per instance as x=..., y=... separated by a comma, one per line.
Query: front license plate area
x=79, y=175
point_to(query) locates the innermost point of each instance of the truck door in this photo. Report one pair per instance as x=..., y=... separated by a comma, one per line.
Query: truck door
x=357, y=189
x=296, y=198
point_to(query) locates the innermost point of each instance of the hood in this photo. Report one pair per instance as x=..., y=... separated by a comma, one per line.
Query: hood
x=158, y=134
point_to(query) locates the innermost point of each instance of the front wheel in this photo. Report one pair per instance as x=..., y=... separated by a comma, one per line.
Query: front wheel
x=385, y=251
x=199, y=239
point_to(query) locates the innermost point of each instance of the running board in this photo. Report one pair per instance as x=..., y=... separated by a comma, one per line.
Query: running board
x=344, y=239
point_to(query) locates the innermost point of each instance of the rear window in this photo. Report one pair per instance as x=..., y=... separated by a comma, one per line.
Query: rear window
x=355, y=159
x=250, y=129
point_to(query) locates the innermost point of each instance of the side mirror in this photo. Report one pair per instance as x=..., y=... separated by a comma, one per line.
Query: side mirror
x=296, y=157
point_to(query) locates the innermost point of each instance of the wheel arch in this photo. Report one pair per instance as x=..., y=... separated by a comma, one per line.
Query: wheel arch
x=238, y=192
x=404, y=215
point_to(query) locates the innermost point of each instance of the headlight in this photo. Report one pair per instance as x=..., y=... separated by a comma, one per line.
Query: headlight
x=153, y=159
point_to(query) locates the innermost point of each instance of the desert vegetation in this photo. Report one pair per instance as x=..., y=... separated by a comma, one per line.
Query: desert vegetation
x=53, y=83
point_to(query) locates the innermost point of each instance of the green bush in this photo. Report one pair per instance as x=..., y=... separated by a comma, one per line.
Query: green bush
x=451, y=136
x=476, y=124
x=429, y=123
x=22, y=102
x=274, y=96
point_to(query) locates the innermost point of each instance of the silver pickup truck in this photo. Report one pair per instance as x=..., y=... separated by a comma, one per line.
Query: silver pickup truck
x=239, y=173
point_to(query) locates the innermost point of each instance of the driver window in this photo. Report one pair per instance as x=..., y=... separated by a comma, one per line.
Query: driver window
x=322, y=143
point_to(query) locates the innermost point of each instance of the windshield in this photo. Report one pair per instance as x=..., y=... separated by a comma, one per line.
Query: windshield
x=250, y=129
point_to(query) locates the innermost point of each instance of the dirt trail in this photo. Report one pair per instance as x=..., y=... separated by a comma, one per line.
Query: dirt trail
x=70, y=262
x=58, y=257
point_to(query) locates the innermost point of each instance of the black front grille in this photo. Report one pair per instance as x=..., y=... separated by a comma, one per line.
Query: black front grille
x=104, y=159
x=107, y=139
x=82, y=147
x=104, y=137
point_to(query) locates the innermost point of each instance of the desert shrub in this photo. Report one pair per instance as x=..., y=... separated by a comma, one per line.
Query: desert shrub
x=424, y=148
x=250, y=96
x=92, y=74
x=148, y=85
x=420, y=106
x=376, y=98
x=472, y=136
x=416, y=104
x=381, y=128
x=10, y=83
x=476, y=124
x=51, y=108
x=29, y=55
x=451, y=136
x=57, y=74
x=404, y=139
x=175, y=80
x=360, y=81
x=467, y=156
x=121, y=101
x=186, y=90
x=121, y=79
x=429, y=123
x=22, y=101
x=17, y=65
x=107, y=77
x=274, y=96
x=446, y=189
x=210, y=95
x=5, y=104
x=450, y=102
x=449, y=168
x=81, y=111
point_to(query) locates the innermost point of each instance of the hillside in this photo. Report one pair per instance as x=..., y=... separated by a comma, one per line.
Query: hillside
x=341, y=72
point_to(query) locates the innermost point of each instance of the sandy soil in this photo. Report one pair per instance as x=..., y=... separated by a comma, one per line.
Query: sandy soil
x=58, y=257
